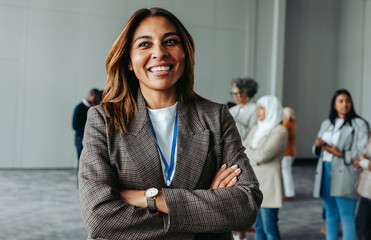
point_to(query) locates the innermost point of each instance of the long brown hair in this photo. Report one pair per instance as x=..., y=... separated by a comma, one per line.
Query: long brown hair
x=119, y=96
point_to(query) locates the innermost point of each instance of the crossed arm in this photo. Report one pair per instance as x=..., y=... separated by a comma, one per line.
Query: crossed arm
x=225, y=177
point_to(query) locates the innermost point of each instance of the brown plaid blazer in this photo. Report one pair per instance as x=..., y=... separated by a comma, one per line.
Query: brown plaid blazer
x=207, y=138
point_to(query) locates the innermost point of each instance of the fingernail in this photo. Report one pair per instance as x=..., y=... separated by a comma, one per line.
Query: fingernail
x=238, y=171
x=234, y=179
x=224, y=166
x=234, y=166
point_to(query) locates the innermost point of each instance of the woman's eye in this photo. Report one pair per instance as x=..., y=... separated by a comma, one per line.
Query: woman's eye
x=171, y=42
x=143, y=44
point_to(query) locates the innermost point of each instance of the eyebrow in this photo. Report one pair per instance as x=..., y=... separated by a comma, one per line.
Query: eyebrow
x=164, y=36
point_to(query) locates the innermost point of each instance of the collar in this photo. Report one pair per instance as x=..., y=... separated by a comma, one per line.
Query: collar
x=86, y=103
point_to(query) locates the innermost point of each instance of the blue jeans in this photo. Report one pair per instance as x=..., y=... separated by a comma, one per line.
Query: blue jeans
x=266, y=227
x=337, y=209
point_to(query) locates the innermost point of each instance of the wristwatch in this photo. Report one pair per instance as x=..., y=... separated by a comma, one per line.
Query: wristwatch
x=151, y=195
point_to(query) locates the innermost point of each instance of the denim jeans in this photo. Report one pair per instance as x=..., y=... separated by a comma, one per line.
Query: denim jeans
x=337, y=209
x=266, y=224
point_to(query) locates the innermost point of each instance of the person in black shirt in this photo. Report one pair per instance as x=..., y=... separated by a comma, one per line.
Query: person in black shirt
x=80, y=115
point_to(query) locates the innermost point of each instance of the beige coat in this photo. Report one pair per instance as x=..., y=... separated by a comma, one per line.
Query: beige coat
x=266, y=162
x=364, y=182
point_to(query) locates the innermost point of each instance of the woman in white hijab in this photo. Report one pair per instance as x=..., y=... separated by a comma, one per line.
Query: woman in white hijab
x=265, y=147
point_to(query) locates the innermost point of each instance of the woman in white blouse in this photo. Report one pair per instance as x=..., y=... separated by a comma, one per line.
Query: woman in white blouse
x=341, y=138
x=243, y=90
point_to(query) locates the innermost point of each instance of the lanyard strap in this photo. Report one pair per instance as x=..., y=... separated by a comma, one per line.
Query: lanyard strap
x=169, y=169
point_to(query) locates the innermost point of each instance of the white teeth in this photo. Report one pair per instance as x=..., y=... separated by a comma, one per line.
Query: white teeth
x=160, y=69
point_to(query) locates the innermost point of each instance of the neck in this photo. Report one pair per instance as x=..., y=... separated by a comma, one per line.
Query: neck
x=341, y=116
x=160, y=99
x=244, y=103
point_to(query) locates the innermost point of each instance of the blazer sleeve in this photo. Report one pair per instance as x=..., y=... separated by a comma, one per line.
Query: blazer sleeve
x=223, y=209
x=361, y=136
x=273, y=147
x=324, y=125
x=103, y=212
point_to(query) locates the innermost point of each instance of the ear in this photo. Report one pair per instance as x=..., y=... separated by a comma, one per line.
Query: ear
x=130, y=66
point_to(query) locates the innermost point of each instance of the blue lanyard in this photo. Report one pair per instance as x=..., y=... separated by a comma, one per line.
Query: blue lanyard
x=169, y=170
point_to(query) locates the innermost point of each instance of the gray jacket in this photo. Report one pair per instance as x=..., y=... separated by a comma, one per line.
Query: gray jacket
x=351, y=143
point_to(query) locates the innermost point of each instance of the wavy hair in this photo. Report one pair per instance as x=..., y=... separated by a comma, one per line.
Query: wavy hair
x=119, y=96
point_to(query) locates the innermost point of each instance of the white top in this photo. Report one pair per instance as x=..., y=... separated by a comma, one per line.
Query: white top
x=364, y=163
x=245, y=118
x=331, y=137
x=163, y=121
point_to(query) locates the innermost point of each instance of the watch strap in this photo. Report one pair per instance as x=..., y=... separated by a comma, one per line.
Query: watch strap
x=151, y=205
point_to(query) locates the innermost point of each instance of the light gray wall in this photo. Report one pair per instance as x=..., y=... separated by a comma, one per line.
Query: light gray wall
x=327, y=47
x=310, y=65
x=269, y=47
x=53, y=52
x=366, y=64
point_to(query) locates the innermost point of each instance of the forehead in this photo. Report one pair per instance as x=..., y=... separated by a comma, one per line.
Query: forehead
x=154, y=25
x=342, y=96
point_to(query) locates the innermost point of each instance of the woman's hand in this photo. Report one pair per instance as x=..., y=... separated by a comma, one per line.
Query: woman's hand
x=356, y=162
x=226, y=177
x=319, y=142
x=332, y=149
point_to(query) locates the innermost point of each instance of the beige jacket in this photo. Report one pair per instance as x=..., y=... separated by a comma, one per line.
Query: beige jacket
x=266, y=162
x=364, y=184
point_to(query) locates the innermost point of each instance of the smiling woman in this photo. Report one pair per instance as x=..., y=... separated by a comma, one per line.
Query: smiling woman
x=157, y=59
x=159, y=161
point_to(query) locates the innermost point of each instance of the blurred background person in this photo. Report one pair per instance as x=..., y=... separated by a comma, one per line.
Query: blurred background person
x=80, y=116
x=290, y=153
x=363, y=213
x=341, y=138
x=244, y=113
x=265, y=147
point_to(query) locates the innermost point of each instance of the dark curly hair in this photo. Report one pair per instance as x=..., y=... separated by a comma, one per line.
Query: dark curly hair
x=246, y=85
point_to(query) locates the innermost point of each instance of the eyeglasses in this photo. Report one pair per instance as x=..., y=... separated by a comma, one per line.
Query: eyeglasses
x=235, y=94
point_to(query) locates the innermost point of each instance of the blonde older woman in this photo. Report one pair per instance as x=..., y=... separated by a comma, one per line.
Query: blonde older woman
x=265, y=147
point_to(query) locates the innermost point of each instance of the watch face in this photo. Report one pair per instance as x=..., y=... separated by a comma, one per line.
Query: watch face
x=152, y=192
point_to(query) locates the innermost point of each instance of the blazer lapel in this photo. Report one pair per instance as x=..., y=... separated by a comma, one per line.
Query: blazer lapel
x=345, y=131
x=141, y=147
x=193, y=144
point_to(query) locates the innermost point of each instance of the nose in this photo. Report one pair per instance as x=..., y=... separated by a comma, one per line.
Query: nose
x=159, y=51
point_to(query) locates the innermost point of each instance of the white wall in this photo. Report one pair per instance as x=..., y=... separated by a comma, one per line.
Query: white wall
x=366, y=64
x=53, y=52
x=350, y=49
x=269, y=45
x=310, y=65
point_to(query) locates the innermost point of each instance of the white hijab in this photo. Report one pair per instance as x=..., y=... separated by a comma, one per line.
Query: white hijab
x=273, y=117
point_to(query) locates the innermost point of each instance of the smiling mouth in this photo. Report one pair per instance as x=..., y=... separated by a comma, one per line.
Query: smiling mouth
x=160, y=68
